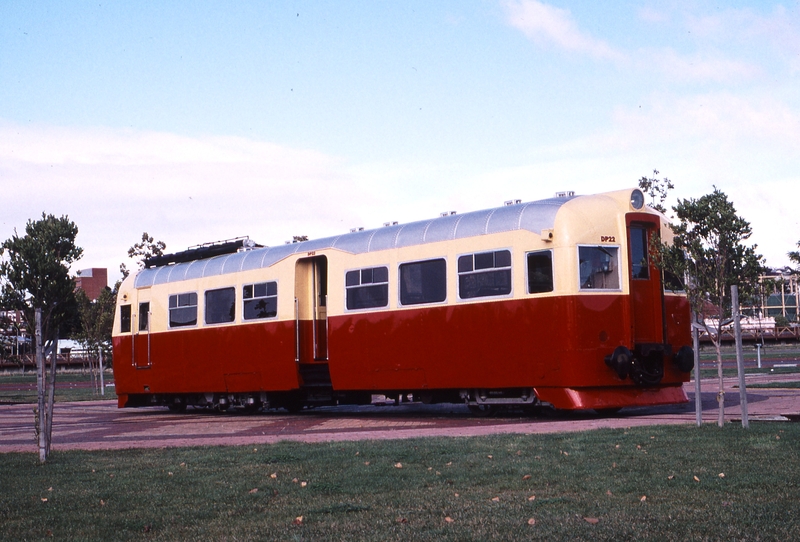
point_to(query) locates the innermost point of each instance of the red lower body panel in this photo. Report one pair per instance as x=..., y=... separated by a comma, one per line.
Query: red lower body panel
x=556, y=345
x=611, y=397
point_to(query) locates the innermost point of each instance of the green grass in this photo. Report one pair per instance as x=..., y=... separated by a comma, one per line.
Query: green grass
x=65, y=391
x=638, y=483
x=792, y=385
x=712, y=373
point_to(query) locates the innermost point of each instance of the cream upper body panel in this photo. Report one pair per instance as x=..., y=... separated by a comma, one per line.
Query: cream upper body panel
x=565, y=225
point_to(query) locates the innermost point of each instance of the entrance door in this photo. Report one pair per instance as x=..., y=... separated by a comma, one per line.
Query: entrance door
x=141, y=337
x=645, y=283
x=311, y=293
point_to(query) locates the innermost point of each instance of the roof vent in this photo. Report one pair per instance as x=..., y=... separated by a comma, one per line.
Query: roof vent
x=387, y=224
x=513, y=202
x=567, y=194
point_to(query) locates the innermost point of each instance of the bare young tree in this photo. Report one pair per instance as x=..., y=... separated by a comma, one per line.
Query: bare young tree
x=707, y=257
x=35, y=280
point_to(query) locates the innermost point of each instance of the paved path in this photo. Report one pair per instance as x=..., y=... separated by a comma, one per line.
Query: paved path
x=101, y=425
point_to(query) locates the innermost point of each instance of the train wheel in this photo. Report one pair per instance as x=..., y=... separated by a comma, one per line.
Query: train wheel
x=483, y=411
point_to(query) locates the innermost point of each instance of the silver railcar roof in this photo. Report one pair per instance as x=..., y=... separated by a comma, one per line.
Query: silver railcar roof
x=533, y=216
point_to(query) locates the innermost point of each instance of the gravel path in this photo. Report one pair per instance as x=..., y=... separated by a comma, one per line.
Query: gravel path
x=100, y=425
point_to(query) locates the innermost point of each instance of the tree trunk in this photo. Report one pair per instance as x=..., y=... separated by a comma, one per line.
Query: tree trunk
x=721, y=393
x=40, y=388
x=51, y=391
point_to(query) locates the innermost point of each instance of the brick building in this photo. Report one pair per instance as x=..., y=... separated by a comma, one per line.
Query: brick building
x=92, y=281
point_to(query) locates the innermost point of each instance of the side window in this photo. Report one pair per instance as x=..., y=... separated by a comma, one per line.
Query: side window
x=540, y=272
x=183, y=310
x=484, y=274
x=640, y=268
x=367, y=288
x=260, y=300
x=220, y=305
x=423, y=282
x=144, y=316
x=599, y=268
x=125, y=319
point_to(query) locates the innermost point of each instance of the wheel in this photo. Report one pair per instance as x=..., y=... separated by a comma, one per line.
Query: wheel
x=482, y=411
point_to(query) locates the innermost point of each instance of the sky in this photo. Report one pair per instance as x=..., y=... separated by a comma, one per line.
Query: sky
x=198, y=121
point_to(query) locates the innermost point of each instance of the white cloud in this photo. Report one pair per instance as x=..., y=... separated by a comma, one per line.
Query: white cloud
x=697, y=67
x=543, y=23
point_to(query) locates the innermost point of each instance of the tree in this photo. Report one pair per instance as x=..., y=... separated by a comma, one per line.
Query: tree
x=35, y=280
x=707, y=257
x=795, y=257
x=656, y=189
x=146, y=249
x=96, y=319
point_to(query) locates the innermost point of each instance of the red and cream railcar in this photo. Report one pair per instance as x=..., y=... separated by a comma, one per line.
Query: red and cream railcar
x=552, y=301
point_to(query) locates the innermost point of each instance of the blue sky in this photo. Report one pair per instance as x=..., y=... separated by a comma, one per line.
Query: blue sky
x=198, y=121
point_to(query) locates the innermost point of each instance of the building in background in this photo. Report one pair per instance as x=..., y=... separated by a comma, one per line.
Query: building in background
x=92, y=281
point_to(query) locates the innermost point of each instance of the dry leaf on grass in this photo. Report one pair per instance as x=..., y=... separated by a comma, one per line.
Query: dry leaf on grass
x=526, y=477
x=274, y=475
x=722, y=475
x=398, y=465
x=298, y=520
x=591, y=521
x=670, y=477
x=495, y=499
x=644, y=498
x=532, y=498
x=401, y=520
x=531, y=521
x=303, y=484
x=254, y=490
x=696, y=479
x=448, y=519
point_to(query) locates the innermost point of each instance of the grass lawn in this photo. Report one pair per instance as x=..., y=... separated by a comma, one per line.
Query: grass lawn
x=70, y=386
x=793, y=385
x=658, y=483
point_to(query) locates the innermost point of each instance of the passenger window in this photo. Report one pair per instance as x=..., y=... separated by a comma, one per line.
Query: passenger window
x=144, y=316
x=423, y=282
x=540, y=272
x=183, y=310
x=125, y=319
x=599, y=267
x=260, y=300
x=220, y=306
x=367, y=288
x=484, y=274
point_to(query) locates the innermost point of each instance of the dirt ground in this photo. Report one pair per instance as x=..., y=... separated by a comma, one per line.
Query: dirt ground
x=101, y=425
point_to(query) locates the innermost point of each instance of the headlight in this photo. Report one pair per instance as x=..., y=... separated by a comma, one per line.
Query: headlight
x=637, y=199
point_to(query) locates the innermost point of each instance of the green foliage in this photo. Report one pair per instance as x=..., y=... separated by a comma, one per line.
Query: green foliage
x=650, y=483
x=795, y=257
x=147, y=248
x=35, y=272
x=708, y=255
x=96, y=321
x=656, y=189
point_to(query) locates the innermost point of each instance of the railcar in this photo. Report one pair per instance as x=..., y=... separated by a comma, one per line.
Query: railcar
x=554, y=301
